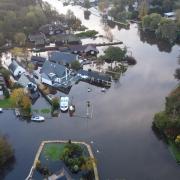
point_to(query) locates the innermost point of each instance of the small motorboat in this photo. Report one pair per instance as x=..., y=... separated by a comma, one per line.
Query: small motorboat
x=1, y=110
x=89, y=89
x=37, y=118
x=64, y=104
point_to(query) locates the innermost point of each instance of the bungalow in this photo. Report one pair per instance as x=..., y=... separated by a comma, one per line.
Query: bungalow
x=87, y=49
x=38, y=60
x=94, y=77
x=54, y=74
x=16, y=69
x=62, y=39
x=52, y=29
x=62, y=58
x=39, y=39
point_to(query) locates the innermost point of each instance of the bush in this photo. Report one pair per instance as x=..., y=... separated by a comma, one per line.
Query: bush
x=130, y=60
x=86, y=34
x=76, y=65
x=55, y=104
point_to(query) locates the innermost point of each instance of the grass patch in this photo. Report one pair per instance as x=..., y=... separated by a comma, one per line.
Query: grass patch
x=6, y=103
x=53, y=151
x=87, y=34
x=175, y=151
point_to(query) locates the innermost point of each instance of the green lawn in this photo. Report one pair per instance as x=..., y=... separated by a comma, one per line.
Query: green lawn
x=6, y=103
x=53, y=151
x=175, y=151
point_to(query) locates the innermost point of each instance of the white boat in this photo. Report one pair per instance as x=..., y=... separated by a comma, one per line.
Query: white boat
x=1, y=110
x=37, y=118
x=64, y=103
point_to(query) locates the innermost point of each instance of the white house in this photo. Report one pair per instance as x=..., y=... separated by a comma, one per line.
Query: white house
x=16, y=69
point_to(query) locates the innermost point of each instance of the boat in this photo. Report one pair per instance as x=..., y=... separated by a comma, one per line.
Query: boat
x=37, y=118
x=1, y=110
x=64, y=104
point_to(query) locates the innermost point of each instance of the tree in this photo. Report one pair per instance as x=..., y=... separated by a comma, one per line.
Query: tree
x=6, y=151
x=177, y=74
x=143, y=9
x=151, y=22
x=75, y=65
x=31, y=67
x=167, y=30
x=20, y=39
x=114, y=54
x=55, y=104
x=161, y=120
x=177, y=140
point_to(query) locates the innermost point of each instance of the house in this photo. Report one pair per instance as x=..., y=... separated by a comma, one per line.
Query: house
x=52, y=29
x=2, y=86
x=170, y=15
x=39, y=39
x=62, y=58
x=64, y=39
x=87, y=49
x=38, y=60
x=94, y=77
x=30, y=86
x=61, y=175
x=16, y=69
x=54, y=74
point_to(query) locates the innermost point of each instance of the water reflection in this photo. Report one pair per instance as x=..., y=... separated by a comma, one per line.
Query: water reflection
x=7, y=168
x=150, y=38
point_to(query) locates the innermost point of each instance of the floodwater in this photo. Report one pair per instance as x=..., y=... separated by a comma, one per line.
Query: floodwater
x=122, y=116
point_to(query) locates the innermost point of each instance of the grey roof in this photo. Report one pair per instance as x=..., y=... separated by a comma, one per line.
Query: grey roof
x=13, y=66
x=24, y=80
x=62, y=57
x=50, y=67
x=37, y=37
x=66, y=38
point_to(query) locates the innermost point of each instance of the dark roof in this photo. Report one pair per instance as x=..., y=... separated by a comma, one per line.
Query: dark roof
x=84, y=48
x=47, y=28
x=62, y=57
x=95, y=75
x=38, y=59
x=52, y=68
x=13, y=66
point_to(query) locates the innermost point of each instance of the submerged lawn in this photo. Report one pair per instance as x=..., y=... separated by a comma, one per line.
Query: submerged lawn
x=6, y=103
x=53, y=151
x=175, y=151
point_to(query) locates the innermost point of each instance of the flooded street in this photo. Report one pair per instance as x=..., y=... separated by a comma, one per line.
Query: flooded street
x=122, y=116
